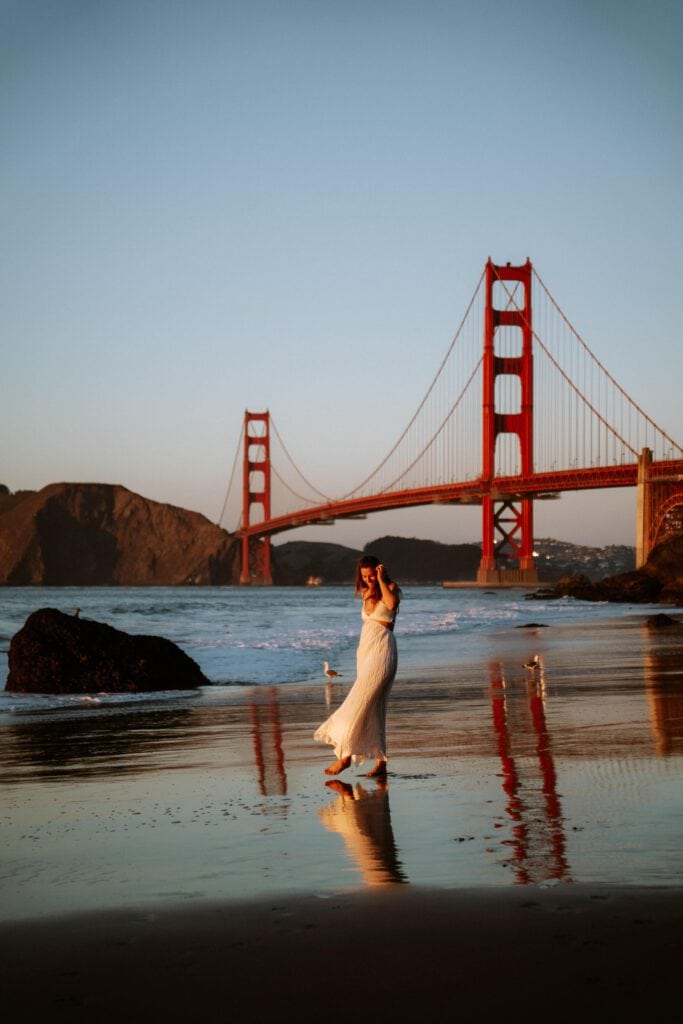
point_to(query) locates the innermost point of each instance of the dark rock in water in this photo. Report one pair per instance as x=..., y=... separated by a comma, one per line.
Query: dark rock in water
x=637, y=587
x=575, y=585
x=58, y=653
x=533, y=625
x=662, y=621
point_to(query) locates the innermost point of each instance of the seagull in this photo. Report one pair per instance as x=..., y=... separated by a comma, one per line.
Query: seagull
x=534, y=663
x=329, y=672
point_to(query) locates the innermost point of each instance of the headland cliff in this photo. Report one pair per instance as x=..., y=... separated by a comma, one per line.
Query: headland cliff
x=82, y=534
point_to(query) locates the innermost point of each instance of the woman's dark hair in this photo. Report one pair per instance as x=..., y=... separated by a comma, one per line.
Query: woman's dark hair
x=369, y=562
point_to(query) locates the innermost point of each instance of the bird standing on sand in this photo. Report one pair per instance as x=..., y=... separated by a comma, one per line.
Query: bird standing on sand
x=534, y=663
x=329, y=672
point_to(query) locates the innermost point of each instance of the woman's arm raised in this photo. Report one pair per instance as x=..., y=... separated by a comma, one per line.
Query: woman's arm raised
x=389, y=590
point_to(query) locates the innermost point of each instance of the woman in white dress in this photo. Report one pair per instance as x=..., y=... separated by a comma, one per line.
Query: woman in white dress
x=357, y=729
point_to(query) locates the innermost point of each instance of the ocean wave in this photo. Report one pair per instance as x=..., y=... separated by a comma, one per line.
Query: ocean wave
x=295, y=640
x=36, y=703
x=273, y=636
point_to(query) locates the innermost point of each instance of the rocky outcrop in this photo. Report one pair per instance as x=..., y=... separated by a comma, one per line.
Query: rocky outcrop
x=57, y=653
x=104, y=534
x=663, y=621
x=659, y=580
x=666, y=564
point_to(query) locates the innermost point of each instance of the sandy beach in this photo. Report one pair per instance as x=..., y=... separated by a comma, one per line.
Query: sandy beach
x=165, y=859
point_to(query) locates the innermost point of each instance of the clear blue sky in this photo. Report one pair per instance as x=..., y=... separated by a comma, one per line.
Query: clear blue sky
x=210, y=206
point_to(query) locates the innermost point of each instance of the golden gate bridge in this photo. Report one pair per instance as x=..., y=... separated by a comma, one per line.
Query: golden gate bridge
x=519, y=409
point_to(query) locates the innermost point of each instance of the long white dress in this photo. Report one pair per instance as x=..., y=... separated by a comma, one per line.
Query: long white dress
x=357, y=729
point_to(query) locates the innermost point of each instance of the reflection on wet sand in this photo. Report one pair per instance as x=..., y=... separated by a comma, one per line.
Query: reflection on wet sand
x=530, y=783
x=363, y=820
x=663, y=664
x=137, y=740
x=332, y=693
x=87, y=746
x=266, y=735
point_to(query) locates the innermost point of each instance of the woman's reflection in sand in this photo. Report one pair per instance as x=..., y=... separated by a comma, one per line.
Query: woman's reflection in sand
x=362, y=819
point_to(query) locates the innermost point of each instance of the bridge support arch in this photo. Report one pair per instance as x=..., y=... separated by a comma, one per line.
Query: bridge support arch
x=507, y=524
x=256, y=492
x=659, y=509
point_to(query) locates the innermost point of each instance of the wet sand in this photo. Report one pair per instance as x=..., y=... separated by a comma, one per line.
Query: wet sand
x=524, y=853
x=406, y=955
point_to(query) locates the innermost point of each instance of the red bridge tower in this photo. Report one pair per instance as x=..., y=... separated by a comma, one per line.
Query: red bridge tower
x=256, y=491
x=507, y=523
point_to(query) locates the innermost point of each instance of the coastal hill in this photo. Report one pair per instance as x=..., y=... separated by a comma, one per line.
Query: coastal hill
x=412, y=560
x=297, y=562
x=409, y=560
x=103, y=534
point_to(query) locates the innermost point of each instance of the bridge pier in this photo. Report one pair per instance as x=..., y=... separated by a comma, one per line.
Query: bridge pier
x=643, y=508
x=512, y=521
x=256, y=562
x=507, y=577
x=659, y=509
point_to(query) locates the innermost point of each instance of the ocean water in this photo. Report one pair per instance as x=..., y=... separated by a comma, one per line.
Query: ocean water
x=281, y=635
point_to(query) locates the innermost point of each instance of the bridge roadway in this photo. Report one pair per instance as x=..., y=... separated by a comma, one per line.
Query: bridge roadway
x=471, y=492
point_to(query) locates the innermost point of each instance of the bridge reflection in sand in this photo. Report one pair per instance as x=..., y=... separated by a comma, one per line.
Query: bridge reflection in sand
x=538, y=846
x=664, y=688
x=266, y=735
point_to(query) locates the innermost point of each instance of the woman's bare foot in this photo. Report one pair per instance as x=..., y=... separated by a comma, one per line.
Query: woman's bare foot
x=338, y=766
x=379, y=771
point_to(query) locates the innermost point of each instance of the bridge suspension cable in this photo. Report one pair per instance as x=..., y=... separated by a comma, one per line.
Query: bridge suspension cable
x=436, y=435
x=640, y=412
x=296, y=469
x=583, y=419
x=230, y=492
x=359, y=487
x=425, y=452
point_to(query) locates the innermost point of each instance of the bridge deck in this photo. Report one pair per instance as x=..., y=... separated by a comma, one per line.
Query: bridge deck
x=471, y=492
